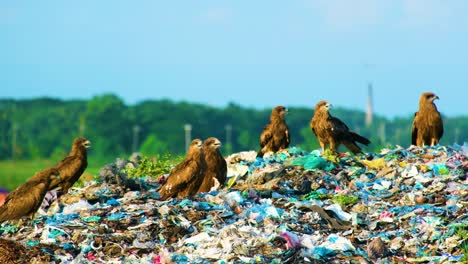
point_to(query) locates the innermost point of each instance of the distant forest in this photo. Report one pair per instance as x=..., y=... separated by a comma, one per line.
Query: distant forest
x=45, y=127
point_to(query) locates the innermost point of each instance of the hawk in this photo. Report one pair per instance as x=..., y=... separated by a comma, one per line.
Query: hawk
x=185, y=179
x=427, y=128
x=216, y=169
x=331, y=131
x=275, y=135
x=72, y=166
x=28, y=197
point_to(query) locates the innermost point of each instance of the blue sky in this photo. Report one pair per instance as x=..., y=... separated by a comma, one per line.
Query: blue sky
x=254, y=53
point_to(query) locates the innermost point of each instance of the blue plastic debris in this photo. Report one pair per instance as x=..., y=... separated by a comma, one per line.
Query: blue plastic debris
x=413, y=199
x=312, y=162
x=112, y=202
x=93, y=218
x=61, y=218
x=32, y=243
x=115, y=216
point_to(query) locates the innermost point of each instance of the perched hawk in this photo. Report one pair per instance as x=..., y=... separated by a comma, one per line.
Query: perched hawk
x=185, y=179
x=216, y=169
x=72, y=166
x=427, y=126
x=331, y=131
x=27, y=198
x=275, y=135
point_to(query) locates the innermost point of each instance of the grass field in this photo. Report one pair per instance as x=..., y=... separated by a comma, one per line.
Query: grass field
x=14, y=173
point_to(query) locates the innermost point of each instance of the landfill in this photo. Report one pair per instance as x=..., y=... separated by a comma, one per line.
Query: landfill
x=396, y=206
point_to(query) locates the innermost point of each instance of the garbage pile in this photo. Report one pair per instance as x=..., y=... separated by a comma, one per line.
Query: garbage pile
x=397, y=206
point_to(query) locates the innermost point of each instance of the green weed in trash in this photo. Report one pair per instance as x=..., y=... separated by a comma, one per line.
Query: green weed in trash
x=345, y=200
x=153, y=167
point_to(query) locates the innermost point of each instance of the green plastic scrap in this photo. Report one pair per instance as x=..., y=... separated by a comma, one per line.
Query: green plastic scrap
x=282, y=156
x=55, y=233
x=440, y=169
x=344, y=200
x=93, y=218
x=295, y=150
x=315, y=195
x=311, y=162
x=391, y=156
x=9, y=229
x=328, y=154
x=32, y=243
x=356, y=171
x=185, y=202
x=161, y=239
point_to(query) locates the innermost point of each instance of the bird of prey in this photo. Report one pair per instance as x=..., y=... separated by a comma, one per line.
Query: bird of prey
x=72, y=166
x=275, y=135
x=427, y=128
x=331, y=131
x=27, y=198
x=185, y=179
x=216, y=169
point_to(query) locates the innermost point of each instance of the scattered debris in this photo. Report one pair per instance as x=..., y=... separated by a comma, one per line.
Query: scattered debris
x=400, y=205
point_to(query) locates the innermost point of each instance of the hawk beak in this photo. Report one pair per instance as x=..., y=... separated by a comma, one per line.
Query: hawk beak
x=436, y=97
x=218, y=144
x=329, y=105
x=87, y=144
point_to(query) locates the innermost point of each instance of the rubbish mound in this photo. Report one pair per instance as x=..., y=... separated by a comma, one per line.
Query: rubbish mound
x=400, y=205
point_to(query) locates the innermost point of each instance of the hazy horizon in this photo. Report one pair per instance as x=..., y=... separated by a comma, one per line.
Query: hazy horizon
x=223, y=105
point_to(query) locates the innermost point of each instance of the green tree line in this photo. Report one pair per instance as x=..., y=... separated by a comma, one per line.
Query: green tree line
x=45, y=127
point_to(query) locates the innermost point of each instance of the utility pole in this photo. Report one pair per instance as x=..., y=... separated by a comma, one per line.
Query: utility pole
x=188, y=135
x=228, y=129
x=136, y=132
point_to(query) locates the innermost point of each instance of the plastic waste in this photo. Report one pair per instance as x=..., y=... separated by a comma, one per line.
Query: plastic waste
x=289, y=207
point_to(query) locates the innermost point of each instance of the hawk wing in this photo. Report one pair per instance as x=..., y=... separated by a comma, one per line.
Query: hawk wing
x=266, y=136
x=70, y=170
x=178, y=179
x=338, y=128
x=23, y=201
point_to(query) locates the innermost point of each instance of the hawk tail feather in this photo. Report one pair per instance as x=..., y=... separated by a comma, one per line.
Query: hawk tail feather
x=360, y=138
x=353, y=147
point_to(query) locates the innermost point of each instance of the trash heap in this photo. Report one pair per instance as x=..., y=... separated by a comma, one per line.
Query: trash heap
x=397, y=206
